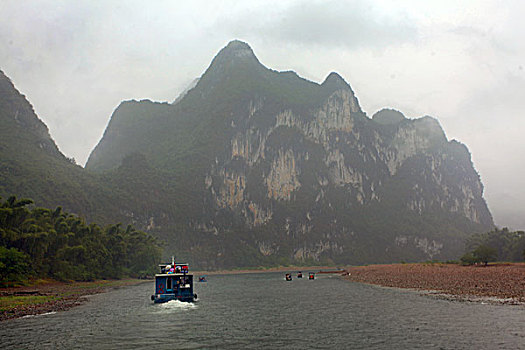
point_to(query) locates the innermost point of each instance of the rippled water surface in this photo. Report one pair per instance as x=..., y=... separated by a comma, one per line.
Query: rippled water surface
x=257, y=311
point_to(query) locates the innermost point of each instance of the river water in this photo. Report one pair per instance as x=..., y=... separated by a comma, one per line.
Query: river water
x=263, y=311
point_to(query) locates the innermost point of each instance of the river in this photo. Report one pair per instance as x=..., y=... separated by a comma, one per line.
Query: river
x=263, y=311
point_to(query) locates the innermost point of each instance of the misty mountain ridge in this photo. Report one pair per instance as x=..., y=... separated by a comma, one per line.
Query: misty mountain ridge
x=254, y=167
x=292, y=170
x=32, y=166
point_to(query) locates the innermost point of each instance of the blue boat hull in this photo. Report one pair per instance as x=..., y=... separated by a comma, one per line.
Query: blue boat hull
x=173, y=286
x=162, y=298
x=173, y=283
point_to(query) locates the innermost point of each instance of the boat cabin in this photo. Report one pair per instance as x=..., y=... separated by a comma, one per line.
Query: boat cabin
x=173, y=283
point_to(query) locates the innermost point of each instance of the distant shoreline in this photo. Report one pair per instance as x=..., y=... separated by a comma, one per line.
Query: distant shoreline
x=315, y=269
x=502, y=283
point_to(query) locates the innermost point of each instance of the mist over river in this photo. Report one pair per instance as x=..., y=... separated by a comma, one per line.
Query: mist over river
x=263, y=311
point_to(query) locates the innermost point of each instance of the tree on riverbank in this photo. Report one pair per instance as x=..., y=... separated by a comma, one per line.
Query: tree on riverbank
x=485, y=254
x=13, y=265
x=499, y=244
x=63, y=246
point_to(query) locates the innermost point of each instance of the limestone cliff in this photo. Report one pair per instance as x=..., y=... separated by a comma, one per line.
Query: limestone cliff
x=284, y=170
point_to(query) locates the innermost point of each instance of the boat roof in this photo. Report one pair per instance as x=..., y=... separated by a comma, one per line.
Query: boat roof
x=172, y=274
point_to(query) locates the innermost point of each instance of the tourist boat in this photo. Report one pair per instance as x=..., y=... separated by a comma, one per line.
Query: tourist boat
x=173, y=283
x=311, y=276
x=299, y=274
x=288, y=277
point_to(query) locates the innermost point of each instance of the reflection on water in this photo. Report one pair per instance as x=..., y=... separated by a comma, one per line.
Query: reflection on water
x=263, y=311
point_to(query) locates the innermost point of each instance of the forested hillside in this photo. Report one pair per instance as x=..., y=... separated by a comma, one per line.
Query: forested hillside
x=46, y=243
x=32, y=166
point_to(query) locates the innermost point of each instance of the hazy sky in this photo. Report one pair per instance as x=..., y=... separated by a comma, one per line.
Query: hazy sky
x=459, y=61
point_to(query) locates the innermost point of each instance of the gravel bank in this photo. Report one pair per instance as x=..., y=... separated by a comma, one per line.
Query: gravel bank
x=503, y=283
x=52, y=296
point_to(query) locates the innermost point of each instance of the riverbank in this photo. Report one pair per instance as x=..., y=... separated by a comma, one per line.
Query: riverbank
x=47, y=296
x=500, y=283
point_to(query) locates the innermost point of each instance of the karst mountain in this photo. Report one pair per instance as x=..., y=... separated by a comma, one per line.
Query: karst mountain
x=255, y=167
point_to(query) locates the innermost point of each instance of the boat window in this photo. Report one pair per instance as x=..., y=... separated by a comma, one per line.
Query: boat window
x=169, y=283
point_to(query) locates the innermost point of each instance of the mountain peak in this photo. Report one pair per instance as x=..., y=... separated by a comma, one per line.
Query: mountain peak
x=335, y=82
x=235, y=56
x=234, y=50
x=388, y=116
x=239, y=47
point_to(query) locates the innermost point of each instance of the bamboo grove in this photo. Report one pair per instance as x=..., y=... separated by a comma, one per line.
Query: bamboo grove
x=45, y=243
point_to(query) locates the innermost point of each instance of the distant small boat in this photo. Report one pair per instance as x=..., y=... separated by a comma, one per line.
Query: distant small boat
x=311, y=276
x=202, y=279
x=288, y=277
x=299, y=274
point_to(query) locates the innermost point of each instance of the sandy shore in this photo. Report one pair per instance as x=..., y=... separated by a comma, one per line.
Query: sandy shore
x=52, y=296
x=501, y=283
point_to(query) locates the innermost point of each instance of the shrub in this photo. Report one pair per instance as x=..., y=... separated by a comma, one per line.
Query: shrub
x=484, y=254
x=14, y=266
x=468, y=259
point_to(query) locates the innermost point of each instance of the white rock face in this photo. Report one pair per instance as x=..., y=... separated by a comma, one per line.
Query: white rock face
x=282, y=179
x=340, y=172
x=151, y=224
x=334, y=115
x=314, y=251
x=231, y=192
x=267, y=248
x=204, y=227
x=466, y=204
x=249, y=146
x=256, y=215
x=430, y=247
x=357, y=161
x=411, y=139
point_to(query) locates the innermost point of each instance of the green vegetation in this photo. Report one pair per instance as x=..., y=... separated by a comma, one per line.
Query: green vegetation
x=501, y=245
x=14, y=266
x=482, y=254
x=14, y=301
x=52, y=243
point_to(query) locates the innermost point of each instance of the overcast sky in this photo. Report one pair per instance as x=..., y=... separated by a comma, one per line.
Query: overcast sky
x=459, y=61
